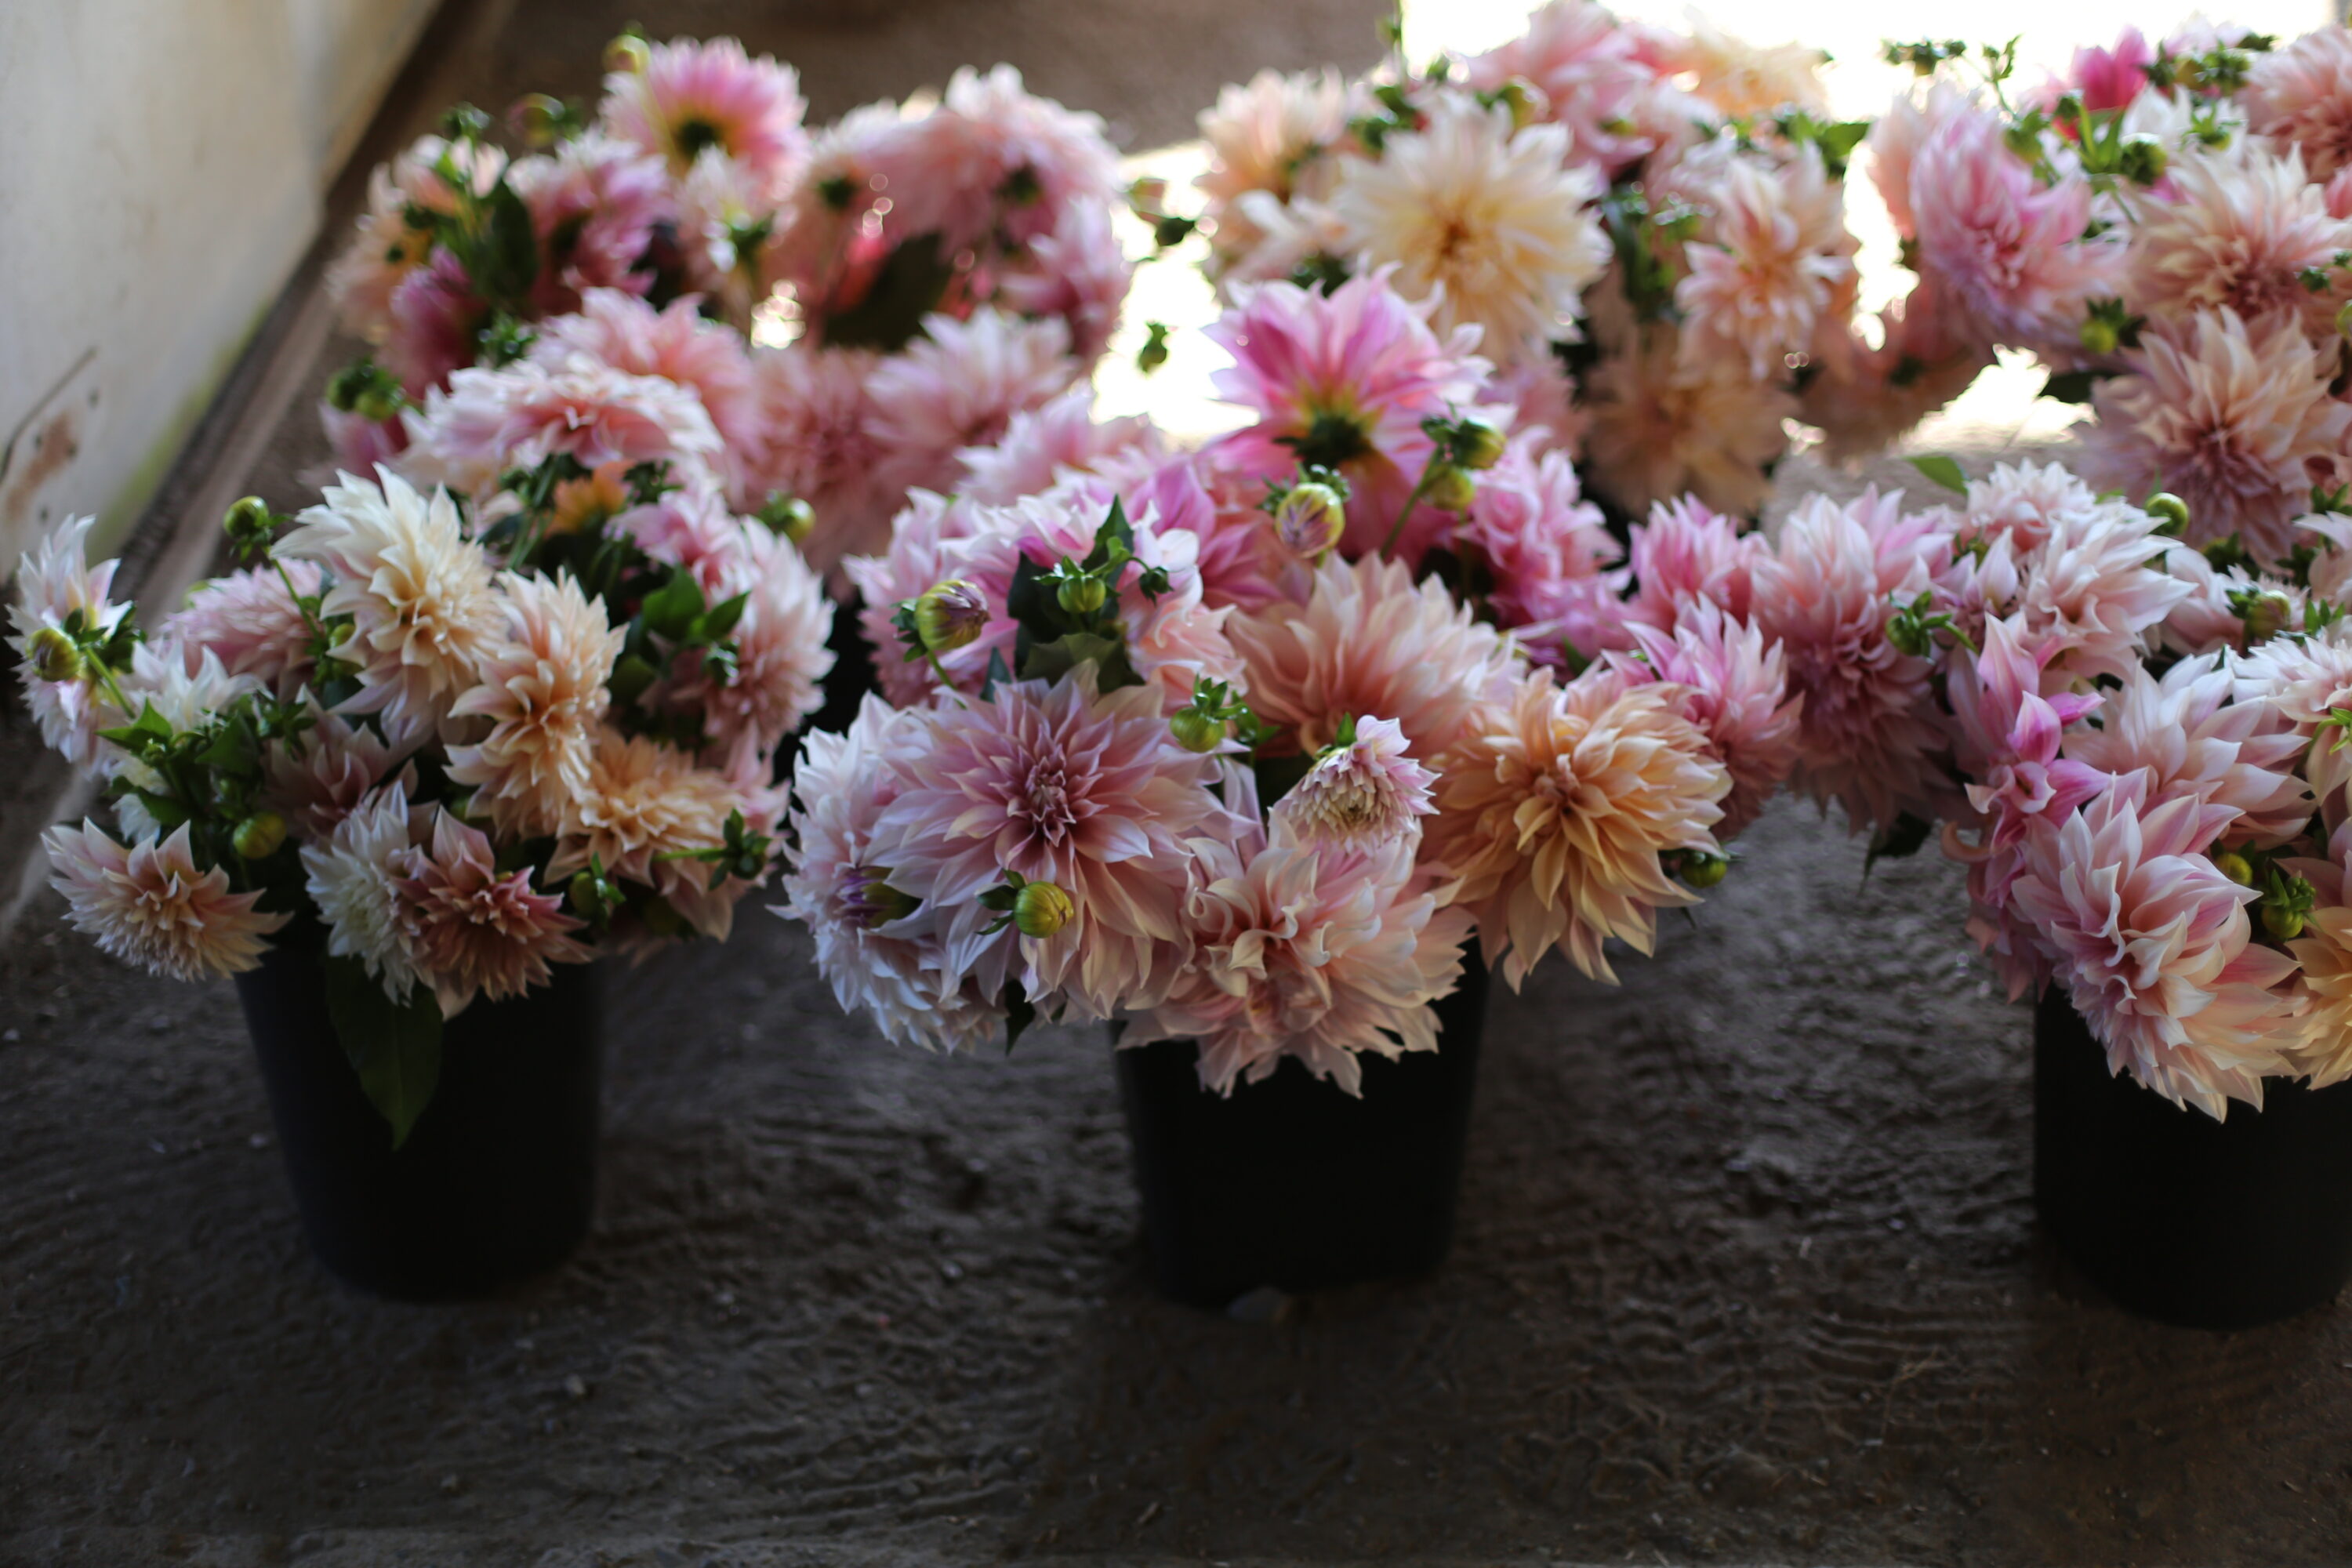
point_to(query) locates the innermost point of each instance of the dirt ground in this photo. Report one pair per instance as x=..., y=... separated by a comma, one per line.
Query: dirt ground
x=1745, y=1272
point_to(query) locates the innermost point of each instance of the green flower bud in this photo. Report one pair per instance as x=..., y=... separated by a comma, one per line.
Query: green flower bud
x=1082, y=596
x=789, y=516
x=1705, y=871
x=2235, y=866
x=541, y=119
x=2344, y=319
x=950, y=614
x=1041, y=908
x=1196, y=730
x=1478, y=444
x=1516, y=96
x=53, y=654
x=258, y=836
x=2171, y=512
x=248, y=521
x=2268, y=616
x=2098, y=335
x=2142, y=159
x=627, y=56
x=1310, y=519
x=1453, y=489
x=2283, y=923
x=586, y=895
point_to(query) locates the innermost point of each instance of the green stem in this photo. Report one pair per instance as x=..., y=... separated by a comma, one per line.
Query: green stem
x=1428, y=477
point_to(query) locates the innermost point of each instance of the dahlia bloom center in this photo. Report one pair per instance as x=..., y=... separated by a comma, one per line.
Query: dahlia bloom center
x=1045, y=804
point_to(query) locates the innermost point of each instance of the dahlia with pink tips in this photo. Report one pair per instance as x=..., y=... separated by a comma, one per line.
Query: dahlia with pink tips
x=55, y=583
x=2233, y=416
x=595, y=204
x=1370, y=640
x=419, y=593
x=2008, y=737
x=877, y=947
x=1307, y=949
x=489, y=421
x=1488, y=222
x=1060, y=784
x=2301, y=96
x=1554, y=811
x=1367, y=790
x=2330, y=574
x=1345, y=380
x=147, y=903
x=2306, y=681
x=675, y=344
x=1735, y=688
x=692, y=97
x=2237, y=229
x=2185, y=736
x=320, y=777
x=1775, y=261
x=2322, y=958
x=1686, y=554
x=1546, y=552
x=250, y=621
x=821, y=447
x=1825, y=593
x=958, y=385
x=1041, y=444
x=541, y=686
x=2154, y=949
x=475, y=931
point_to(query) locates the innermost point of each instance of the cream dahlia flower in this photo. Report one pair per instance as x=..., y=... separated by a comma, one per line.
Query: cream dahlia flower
x=1661, y=427
x=1488, y=221
x=350, y=875
x=56, y=581
x=146, y=903
x=543, y=690
x=2236, y=230
x=642, y=801
x=1775, y=261
x=1554, y=815
x=2302, y=96
x=1368, y=791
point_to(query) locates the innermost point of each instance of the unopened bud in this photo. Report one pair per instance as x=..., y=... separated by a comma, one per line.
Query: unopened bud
x=1310, y=519
x=248, y=521
x=627, y=55
x=53, y=656
x=1041, y=908
x=1082, y=596
x=2235, y=866
x=258, y=836
x=540, y=120
x=1196, y=730
x=586, y=893
x=789, y=516
x=2142, y=159
x=2268, y=616
x=2098, y=335
x=2170, y=512
x=950, y=615
x=1705, y=871
x=1520, y=100
x=2283, y=923
x=1478, y=444
x=1452, y=490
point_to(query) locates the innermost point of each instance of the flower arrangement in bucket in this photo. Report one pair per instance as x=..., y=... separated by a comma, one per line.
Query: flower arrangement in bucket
x=1243, y=747
x=1647, y=226
x=894, y=288
x=454, y=730
x=2131, y=743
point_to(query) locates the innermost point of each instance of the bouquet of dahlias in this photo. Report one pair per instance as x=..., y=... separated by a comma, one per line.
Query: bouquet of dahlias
x=2169, y=229
x=914, y=275
x=1646, y=228
x=453, y=734
x=2132, y=743
x=1243, y=744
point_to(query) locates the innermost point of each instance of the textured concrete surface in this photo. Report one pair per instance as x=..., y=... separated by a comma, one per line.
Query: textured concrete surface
x=1745, y=1272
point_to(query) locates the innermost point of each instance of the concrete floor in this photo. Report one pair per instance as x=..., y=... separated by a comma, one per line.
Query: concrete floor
x=1746, y=1272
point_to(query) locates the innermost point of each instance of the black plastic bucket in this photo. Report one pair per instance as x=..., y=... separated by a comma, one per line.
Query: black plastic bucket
x=2178, y=1217
x=496, y=1181
x=1293, y=1183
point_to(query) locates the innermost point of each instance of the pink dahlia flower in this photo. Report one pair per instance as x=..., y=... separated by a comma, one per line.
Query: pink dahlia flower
x=2185, y=736
x=435, y=314
x=542, y=688
x=1042, y=445
x=782, y=655
x=692, y=97
x=1555, y=812
x=823, y=448
x=2306, y=681
x=2302, y=96
x=1545, y=549
x=1589, y=68
x=1735, y=688
x=1077, y=273
x=675, y=344
x=2009, y=738
x=1062, y=785
x=2238, y=230
x=2110, y=78
x=1825, y=594
x=148, y=904
x=1368, y=791
x=489, y=421
x=2153, y=946
x=320, y=777
x=251, y=622
x=595, y=204
x=1687, y=555
x=1775, y=261
x=1242, y=561
x=1372, y=641
x=875, y=946
x=958, y=385
x=2233, y=416
x=1273, y=134
x=55, y=580
x=1305, y=949
x=1345, y=380
x=475, y=931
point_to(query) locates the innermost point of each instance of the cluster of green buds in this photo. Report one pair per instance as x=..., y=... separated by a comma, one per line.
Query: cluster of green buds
x=2220, y=69
x=1216, y=712
x=1913, y=627
x=1034, y=909
x=1924, y=56
x=1310, y=514
x=365, y=388
x=2286, y=901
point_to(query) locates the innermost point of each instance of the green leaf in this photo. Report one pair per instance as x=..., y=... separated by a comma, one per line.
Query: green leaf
x=1115, y=531
x=907, y=287
x=1052, y=661
x=996, y=672
x=1943, y=471
x=1019, y=1013
x=723, y=617
x=395, y=1048
x=509, y=255
x=671, y=608
x=2071, y=386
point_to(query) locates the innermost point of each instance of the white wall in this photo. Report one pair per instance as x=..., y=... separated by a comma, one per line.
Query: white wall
x=162, y=164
